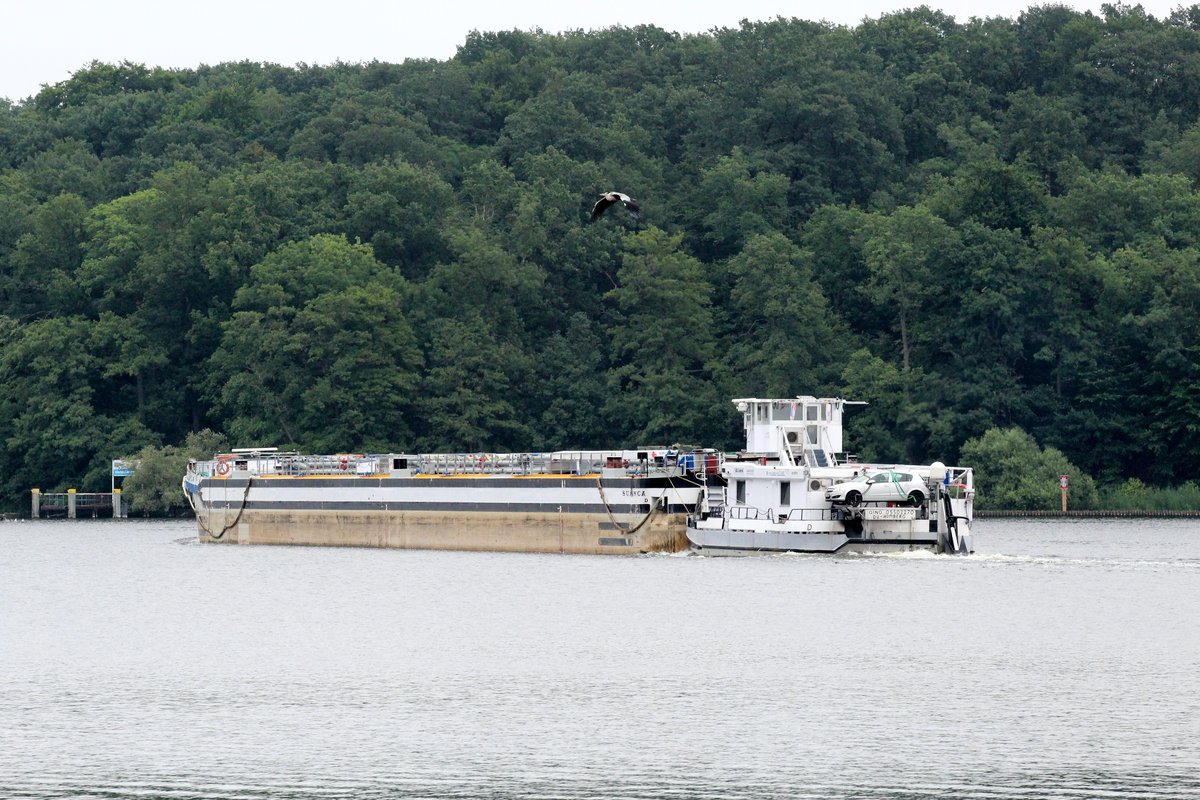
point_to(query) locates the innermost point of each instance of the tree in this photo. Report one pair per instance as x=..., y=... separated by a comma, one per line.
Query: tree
x=834, y=236
x=734, y=202
x=41, y=281
x=904, y=252
x=783, y=339
x=57, y=434
x=154, y=487
x=903, y=420
x=662, y=342
x=471, y=393
x=319, y=353
x=399, y=210
x=994, y=194
x=989, y=223
x=570, y=388
x=1112, y=210
x=1180, y=154
x=145, y=268
x=1047, y=131
x=1013, y=471
x=67, y=166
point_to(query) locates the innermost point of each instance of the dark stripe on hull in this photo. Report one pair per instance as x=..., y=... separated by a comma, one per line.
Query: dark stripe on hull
x=568, y=481
x=528, y=508
x=917, y=543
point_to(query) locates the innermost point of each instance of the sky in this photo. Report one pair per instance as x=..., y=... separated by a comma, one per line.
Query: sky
x=45, y=42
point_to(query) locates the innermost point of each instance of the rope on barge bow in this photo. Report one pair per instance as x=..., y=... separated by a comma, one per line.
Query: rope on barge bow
x=236, y=519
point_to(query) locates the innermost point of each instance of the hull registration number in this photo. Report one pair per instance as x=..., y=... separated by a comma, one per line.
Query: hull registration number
x=889, y=513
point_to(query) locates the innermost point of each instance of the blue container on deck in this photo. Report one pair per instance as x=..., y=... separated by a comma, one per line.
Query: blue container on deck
x=699, y=459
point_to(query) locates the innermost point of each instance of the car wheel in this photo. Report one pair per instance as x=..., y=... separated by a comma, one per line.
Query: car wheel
x=916, y=498
x=853, y=498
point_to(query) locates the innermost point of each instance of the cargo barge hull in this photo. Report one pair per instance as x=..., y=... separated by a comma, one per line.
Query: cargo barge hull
x=262, y=501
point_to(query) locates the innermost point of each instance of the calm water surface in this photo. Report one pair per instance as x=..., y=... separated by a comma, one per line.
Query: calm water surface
x=1062, y=660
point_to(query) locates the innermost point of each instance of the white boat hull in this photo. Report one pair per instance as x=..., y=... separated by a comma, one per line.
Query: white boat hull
x=741, y=542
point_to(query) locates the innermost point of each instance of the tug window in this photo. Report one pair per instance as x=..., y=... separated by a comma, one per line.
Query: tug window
x=739, y=488
x=785, y=493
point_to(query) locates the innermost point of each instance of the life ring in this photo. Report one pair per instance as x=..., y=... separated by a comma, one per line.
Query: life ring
x=343, y=463
x=222, y=468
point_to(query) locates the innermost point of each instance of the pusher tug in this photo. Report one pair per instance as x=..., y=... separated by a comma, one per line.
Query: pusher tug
x=794, y=489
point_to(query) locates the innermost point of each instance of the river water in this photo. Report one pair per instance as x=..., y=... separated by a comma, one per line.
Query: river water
x=1061, y=660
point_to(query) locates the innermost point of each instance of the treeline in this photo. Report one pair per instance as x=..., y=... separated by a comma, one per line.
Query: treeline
x=975, y=226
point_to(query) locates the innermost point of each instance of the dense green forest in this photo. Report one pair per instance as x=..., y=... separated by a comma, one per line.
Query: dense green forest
x=977, y=226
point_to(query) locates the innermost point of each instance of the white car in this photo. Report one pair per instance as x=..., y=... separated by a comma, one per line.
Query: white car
x=890, y=486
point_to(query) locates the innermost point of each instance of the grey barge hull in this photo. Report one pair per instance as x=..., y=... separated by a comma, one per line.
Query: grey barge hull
x=263, y=501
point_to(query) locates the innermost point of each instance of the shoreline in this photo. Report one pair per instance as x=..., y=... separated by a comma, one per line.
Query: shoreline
x=1089, y=514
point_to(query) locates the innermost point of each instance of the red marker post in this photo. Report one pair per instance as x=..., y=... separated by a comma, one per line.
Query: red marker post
x=1062, y=484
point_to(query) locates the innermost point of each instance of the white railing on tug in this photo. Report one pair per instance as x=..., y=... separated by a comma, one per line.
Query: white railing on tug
x=771, y=514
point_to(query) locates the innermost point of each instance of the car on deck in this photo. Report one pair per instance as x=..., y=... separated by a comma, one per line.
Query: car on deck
x=889, y=486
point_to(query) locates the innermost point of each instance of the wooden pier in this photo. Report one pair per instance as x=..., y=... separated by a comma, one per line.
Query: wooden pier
x=73, y=505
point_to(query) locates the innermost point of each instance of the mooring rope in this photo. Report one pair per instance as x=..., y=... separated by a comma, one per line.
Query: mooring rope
x=617, y=525
x=200, y=519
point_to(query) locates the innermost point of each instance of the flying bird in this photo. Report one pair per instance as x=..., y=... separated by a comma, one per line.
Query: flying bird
x=608, y=198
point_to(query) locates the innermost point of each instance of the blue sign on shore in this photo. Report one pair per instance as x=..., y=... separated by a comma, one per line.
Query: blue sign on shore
x=123, y=469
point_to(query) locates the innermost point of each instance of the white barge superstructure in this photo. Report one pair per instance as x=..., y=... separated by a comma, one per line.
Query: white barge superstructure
x=795, y=489
x=596, y=501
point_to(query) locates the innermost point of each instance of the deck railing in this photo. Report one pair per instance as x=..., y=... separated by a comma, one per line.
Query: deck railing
x=72, y=504
x=582, y=462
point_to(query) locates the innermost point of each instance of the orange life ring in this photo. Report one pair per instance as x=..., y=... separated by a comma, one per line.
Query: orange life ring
x=222, y=468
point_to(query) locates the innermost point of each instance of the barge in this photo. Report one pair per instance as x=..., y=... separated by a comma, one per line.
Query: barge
x=596, y=501
x=792, y=489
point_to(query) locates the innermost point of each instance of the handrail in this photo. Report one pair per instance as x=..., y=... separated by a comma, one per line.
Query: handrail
x=52, y=499
x=753, y=513
x=569, y=462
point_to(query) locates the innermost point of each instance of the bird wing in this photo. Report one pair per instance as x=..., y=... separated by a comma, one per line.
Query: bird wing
x=601, y=205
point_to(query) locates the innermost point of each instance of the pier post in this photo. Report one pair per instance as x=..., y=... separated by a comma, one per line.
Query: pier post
x=36, y=510
x=118, y=506
x=70, y=504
